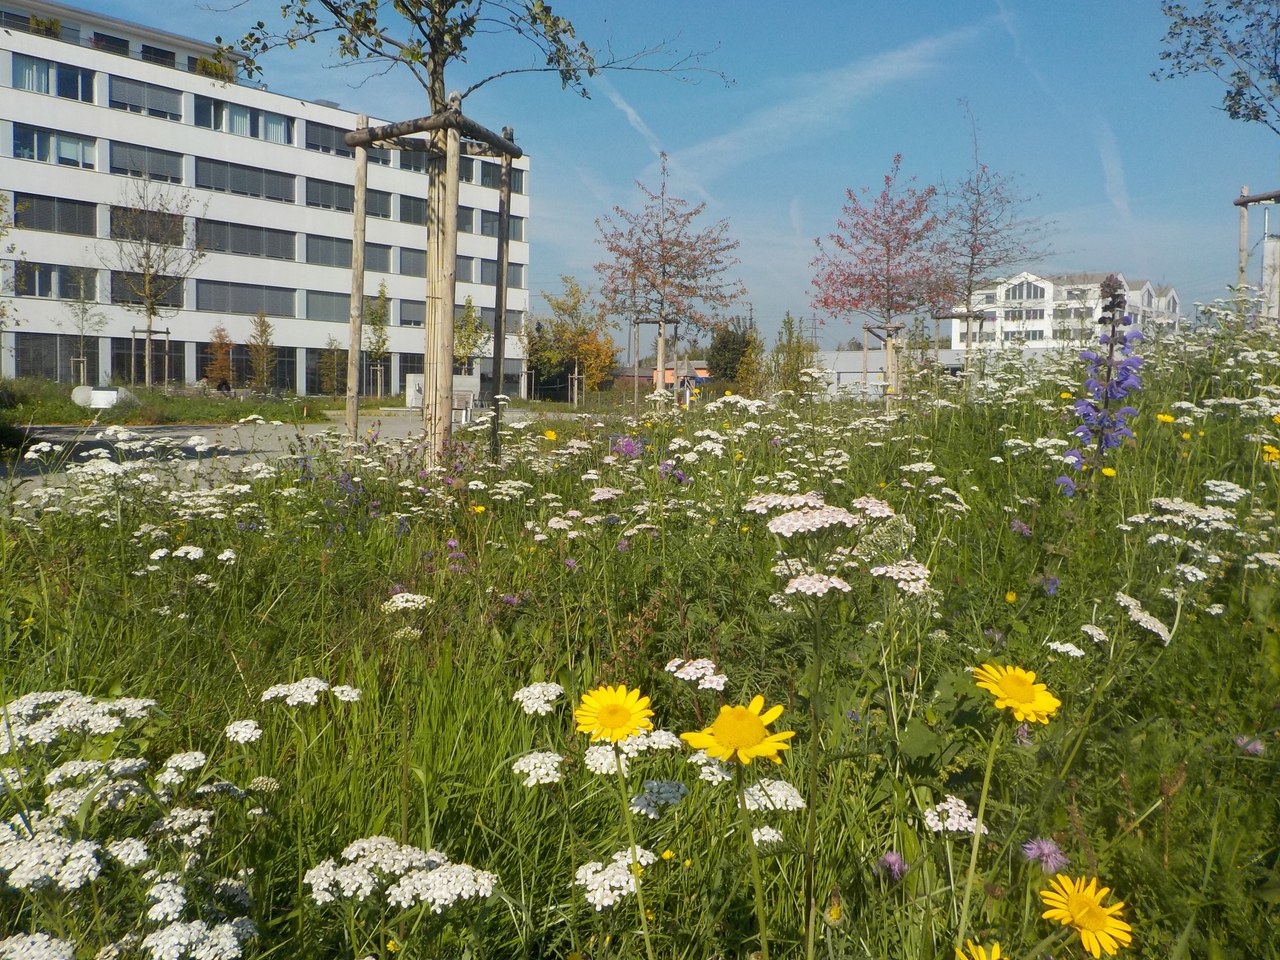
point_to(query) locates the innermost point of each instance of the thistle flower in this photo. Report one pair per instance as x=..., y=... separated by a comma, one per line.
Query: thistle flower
x=1046, y=853
x=893, y=865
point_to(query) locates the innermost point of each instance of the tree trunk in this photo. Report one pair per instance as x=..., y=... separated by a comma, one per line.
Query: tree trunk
x=357, y=286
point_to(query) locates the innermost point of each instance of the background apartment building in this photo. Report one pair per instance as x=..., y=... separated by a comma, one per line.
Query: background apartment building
x=97, y=111
x=1054, y=311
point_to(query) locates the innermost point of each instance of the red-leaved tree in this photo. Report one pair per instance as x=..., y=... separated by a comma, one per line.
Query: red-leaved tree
x=663, y=268
x=882, y=260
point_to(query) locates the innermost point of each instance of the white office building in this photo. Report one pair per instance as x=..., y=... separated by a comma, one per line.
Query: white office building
x=93, y=107
x=1029, y=310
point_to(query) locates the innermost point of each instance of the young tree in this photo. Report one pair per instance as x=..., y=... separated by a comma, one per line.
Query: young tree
x=150, y=255
x=662, y=268
x=883, y=263
x=574, y=341
x=729, y=344
x=1235, y=41
x=6, y=224
x=262, y=354
x=220, y=346
x=469, y=337
x=792, y=353
x=985, y=233
x=332, y=367
x=425, y=37
x=753, y=375
x=83, y=317
x=376, y=341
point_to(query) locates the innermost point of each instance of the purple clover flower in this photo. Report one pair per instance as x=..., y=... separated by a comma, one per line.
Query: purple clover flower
x=1020, y=528
x=668, y=470
x=1046, y=853
x=1250, y=745
x=628, y=448
x=893, y=865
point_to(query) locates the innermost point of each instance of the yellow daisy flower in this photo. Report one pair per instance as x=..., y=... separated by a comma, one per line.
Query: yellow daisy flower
x=613, y=713
x=1073, y=902
x=1108, y=471
x=1270, y=453
x=1011, y=597
x=742, y=733
x=1165, y=417
x=550, y=434
x=1016, y=689
x=975, y=951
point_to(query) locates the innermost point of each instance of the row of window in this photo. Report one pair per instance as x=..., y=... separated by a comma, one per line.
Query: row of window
x=1059, y=333
x=76, y=83
x=52, y=356
x=59, y=215
x=59, y=281
x=221, y=176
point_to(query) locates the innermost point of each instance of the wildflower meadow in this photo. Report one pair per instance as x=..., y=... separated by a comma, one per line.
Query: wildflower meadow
x=989, y=668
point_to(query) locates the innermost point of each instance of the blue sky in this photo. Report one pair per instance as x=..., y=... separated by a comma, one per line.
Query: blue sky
x=1130, y=174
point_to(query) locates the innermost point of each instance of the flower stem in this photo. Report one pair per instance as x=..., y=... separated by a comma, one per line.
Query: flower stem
x=745, y=817
x=811, y=824
x=634, y=866
x=977, y=835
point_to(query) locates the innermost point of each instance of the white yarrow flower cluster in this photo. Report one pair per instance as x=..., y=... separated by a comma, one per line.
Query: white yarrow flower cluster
x=773, y=795
x=810, y=520
x=649, y=741
x=45, y=717
x=36, y=946
x=1142, y=618
x=539, y=767
x=307, y=691
x=167, y=900
x=199, y=941
x=710, y=769
x=910, y=576
x=441, y=886
x=766, y=836
x=1070, y=649
x=702, y=671
x=129, y=852
x=178, y=766
x=605, y=884
x=367, y=866
x=656, y=795
x=538, y=698
x=406, y=601
x=765, y=502
x=35, y=861
x=816, y=584
x=952, y=816
x=601, y=759
x=1094, y=633
x=243, y=731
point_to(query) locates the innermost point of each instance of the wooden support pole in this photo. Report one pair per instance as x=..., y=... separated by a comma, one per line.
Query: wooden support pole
x=443, y=243
x=357, y=287
x=500, y=297
x=1243, y=271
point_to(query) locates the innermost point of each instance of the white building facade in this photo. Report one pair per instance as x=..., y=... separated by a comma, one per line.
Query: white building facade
x=1029, y=310
x=94, y=106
